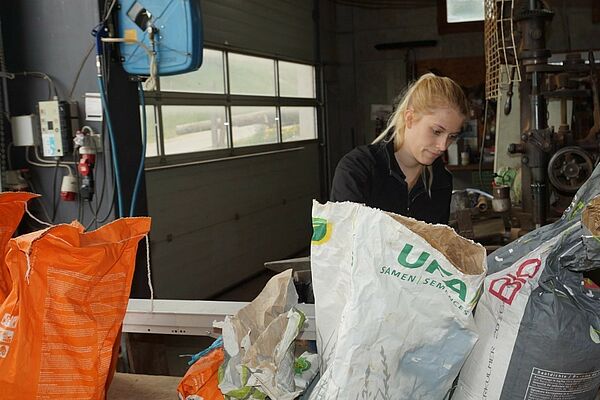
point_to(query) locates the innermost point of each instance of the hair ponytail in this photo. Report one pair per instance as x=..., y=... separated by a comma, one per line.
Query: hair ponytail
x=423, y=96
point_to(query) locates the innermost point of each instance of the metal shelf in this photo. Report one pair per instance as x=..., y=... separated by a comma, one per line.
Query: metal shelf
x=471, y=167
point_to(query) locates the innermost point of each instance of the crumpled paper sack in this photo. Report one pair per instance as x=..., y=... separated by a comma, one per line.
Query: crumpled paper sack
x=259, y=344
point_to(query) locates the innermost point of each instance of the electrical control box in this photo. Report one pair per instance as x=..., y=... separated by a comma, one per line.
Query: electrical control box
x=25, y=130
x=58, y=121
x=177, y=26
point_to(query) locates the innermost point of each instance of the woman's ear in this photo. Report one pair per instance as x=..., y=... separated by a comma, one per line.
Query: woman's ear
x=409, y=116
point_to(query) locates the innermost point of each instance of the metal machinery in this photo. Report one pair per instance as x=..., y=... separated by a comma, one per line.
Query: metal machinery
x=565, y=158
x=554, y=162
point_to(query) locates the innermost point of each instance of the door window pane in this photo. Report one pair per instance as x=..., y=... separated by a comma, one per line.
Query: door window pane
x=298, y=123
x=296, y=80
x=464, y=10
x=151, y=132
x=208, y=79
x=251, y=75
x=187, y=129
x=253, y=125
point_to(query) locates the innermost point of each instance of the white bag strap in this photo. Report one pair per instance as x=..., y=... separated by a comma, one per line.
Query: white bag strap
x=149, y=270
x=39, y=221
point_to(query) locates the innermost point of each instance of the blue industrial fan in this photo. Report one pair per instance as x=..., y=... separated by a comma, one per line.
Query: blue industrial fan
x=176, y=27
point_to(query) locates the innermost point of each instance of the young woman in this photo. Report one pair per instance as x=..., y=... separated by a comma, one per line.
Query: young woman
x=401, y=171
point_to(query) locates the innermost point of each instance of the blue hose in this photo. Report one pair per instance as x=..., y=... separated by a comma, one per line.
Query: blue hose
x=113, y=147
x=140, y=171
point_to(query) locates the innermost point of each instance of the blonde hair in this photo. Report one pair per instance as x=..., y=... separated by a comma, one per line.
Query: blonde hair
x=423, y=96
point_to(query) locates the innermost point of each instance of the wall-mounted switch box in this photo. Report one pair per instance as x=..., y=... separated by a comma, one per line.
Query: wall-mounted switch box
x=58, y=121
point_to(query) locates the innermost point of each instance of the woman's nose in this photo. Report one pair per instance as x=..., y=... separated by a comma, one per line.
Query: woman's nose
x=442, y=142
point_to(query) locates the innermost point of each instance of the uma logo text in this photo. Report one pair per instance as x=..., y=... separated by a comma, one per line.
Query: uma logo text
x=434, y=268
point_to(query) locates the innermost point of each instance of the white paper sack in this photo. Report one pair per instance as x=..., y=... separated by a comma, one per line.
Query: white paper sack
x=258, y=343
x=406, y=327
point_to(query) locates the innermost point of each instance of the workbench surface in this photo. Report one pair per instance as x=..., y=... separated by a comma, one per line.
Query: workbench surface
x=134, y=386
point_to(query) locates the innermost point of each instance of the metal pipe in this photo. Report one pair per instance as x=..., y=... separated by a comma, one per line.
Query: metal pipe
x=535, y=102
x=538, y=191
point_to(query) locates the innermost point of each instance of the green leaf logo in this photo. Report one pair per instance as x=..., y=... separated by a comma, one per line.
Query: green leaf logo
x=595, y=335
x=321, y=231
x=301, y=365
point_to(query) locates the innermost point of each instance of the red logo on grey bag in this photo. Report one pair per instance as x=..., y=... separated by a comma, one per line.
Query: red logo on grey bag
x=507, y=287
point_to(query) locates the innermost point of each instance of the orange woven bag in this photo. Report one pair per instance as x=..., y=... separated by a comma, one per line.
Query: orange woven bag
x=69, y=295
x=12, y=208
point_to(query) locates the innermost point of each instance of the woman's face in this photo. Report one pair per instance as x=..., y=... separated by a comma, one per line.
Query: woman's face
x=427, y=136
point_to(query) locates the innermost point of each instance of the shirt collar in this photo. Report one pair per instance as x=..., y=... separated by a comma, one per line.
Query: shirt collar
x=392, y=164
x=394, y=167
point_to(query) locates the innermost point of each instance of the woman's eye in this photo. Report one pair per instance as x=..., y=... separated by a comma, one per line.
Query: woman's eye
x=453, y=137
x=437, y=132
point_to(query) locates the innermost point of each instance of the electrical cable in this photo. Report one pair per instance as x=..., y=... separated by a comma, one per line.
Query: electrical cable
x=140, y=172
x=76, y=156
x=41, y=160
x=100, y=201
x=98, y=32
x=41, y=75
x=39, y=199
x=92, y=211
x=88, y=226
x=54, y=202
x=108, y=11
x=110, y=210
x=113, y=148
x=102, y=192
x=79, y=70
x=112, y=203
x=55, y=164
